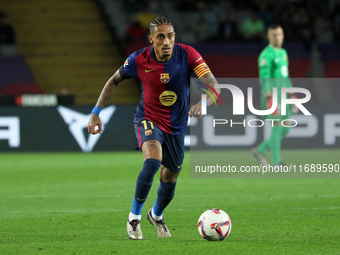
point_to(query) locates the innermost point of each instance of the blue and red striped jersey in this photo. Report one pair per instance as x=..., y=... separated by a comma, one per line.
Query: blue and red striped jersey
x=165, y=85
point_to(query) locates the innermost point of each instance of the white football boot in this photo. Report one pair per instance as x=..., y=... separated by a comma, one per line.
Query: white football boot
x=161, y=228
x=133, y=230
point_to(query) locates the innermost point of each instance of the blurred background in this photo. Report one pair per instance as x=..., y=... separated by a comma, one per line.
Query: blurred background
x=73, y=47
x=65, y=51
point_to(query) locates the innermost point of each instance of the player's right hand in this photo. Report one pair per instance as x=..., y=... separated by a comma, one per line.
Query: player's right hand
x=94, y=126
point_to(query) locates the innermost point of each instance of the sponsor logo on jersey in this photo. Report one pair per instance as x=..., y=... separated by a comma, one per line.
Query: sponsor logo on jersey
x=263, y=62
x=148, y=132
x=165, y=78
x=168, y=98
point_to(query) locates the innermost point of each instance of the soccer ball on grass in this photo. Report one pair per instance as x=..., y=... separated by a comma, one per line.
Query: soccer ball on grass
x=214, y=225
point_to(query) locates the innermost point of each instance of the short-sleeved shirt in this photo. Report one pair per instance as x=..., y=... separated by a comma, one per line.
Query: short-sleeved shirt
x=165, y=85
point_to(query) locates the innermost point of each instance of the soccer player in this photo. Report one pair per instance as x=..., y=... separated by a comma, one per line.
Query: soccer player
x=161, y=116
x=273, y=72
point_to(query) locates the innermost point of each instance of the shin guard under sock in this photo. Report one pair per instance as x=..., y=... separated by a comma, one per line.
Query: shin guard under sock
x=144, y=183
x=165, y=193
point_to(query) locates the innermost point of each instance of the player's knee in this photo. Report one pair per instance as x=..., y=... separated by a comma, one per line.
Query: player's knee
x=150, y=167
x=167, y=176
x=152, y=149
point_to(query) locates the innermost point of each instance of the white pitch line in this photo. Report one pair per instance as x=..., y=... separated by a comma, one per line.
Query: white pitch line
x=315, y=208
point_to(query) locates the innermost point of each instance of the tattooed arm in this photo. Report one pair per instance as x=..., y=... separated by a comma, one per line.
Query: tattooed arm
x=108, y=90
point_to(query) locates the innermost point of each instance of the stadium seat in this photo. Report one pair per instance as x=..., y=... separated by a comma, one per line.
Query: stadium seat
x=25, y=88
x=295, y=50
x=130, y=48
x=330, y=51
x=68, y=45
x=299, y=68
x=13, y=69
x=223, y=65
x=332, y=70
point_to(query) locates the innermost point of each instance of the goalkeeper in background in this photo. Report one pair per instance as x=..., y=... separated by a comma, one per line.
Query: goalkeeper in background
x=273, y=72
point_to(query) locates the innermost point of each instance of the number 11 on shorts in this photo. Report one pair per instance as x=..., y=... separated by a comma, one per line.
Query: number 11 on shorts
x=146, y=125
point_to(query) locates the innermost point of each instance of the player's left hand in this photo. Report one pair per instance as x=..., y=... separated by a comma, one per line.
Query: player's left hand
x=196, y=111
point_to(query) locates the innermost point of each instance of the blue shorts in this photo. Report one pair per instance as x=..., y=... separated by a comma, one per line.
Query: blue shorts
x=172, y=145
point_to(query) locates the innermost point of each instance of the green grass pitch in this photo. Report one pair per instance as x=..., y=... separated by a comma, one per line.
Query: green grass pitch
x=75, y=203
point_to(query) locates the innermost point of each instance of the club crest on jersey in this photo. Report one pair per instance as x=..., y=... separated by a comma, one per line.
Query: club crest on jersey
x=148, y=132
x=165, y=78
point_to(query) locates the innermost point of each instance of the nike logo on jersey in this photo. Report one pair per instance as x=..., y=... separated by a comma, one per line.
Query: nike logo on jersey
x=126, y=63
x=199, y=59
x=146, y=70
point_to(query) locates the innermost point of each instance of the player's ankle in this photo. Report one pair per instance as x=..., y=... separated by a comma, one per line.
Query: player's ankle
x=134, y=217
x=155, y=217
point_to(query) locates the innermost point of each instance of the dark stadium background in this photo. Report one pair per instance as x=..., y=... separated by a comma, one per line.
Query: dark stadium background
x=70, y=49
x=58, y=198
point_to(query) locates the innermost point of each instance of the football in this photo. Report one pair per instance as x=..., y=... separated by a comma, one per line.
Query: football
x=214, y=225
